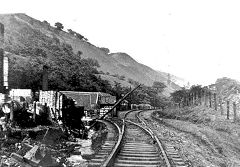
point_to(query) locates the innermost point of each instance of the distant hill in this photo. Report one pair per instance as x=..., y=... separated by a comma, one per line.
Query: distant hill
x=22, y=31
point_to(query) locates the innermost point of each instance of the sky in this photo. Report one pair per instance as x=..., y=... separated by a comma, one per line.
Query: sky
x=198, y=40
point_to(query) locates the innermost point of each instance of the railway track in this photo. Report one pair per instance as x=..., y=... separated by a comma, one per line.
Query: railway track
x=137, y=146
x=103, y=156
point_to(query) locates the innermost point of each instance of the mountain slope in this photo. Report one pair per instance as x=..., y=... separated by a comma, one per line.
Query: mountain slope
x=22, y=31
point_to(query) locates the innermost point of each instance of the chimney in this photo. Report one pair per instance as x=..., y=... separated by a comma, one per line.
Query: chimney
x=45, y=78
x=1, y=57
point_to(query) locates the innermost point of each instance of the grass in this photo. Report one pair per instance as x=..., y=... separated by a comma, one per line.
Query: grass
x=211, y=140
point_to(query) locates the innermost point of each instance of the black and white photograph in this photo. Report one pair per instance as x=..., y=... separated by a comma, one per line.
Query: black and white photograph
x=119, y=83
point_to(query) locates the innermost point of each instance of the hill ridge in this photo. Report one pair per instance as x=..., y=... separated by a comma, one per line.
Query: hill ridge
x=114, y=63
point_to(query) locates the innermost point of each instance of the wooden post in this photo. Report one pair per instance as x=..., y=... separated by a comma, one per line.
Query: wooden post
x=203, y=98
x=34, y=111
x=210, y=99
x=221, y=107
x=196, y=100
x=193, y=101
x=234, y=112
x=12, y=113
x=227, y=109
x=215, y=101
x=206, y=98
x=200, y=97
x=190, y=99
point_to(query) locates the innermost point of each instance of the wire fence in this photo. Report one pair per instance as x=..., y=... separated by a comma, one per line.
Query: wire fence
x=229, y=107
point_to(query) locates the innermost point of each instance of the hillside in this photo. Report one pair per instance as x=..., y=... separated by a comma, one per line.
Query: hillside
x=22, y=31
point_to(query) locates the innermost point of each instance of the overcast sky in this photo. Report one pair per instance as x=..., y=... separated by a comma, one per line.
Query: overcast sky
x=198, y=40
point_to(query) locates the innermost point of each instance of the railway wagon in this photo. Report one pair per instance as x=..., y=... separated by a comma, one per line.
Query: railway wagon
x=141, y=106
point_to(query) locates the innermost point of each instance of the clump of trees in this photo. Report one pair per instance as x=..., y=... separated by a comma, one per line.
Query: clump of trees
x=120, y=77
x=184, y=96
x=79, y=36
x=59, y=26
x=67, y=70
x=145, y=95
x=105, y=50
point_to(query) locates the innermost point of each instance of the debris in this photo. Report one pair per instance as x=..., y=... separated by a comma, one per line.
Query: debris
x=37, y=155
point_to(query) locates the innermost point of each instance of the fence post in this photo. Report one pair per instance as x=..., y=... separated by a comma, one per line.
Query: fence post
x=190, y=100
x=210, y=99
x=206, y=99
x=34, y=111
x=227, y=109
x=200, y=97
x=215, y=101
x=221, y=107
x=193, y=99
x=234, y=112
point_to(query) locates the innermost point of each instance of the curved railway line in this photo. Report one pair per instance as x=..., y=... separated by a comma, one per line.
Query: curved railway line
x=136, y=145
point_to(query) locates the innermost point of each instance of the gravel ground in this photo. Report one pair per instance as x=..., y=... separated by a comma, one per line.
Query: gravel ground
x=201, y=135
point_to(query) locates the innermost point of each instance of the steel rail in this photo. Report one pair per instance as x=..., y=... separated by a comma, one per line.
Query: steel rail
x=110, y=160
x=159, y=143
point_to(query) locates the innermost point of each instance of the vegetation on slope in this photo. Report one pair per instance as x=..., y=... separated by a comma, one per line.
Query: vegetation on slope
x=207, y=138
x=32, y=45
x=23, y=31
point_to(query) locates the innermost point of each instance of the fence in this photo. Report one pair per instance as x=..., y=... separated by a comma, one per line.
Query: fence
x=229, y=107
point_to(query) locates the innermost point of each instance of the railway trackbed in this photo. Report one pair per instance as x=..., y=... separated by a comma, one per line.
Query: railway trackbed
x=113, y=137
x=137, y=146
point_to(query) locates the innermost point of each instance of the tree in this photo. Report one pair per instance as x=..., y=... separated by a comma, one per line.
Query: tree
x=179, y=96
x=79, y=36
x=159, y=86
x=46, y=24
x=67, y=70
x=79, y=53
x=122, y=77
x=106, y=50
x=71, y=31
x=85, y=39
x=59, y=26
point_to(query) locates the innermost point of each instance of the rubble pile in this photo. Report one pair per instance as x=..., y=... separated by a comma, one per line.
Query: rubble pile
x=51, y=150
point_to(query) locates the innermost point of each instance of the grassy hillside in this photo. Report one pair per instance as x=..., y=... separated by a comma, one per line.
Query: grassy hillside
x=206, y=137
x=22, y=31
